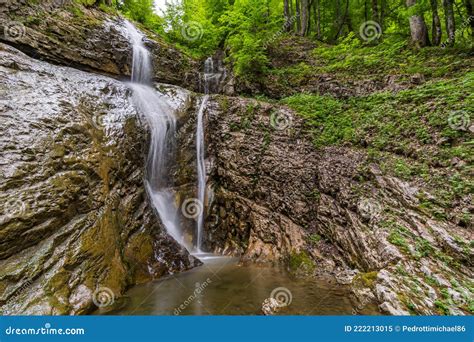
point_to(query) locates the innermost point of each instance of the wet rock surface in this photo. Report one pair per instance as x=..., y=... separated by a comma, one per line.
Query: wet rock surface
x=66, y=33
x=75, y=216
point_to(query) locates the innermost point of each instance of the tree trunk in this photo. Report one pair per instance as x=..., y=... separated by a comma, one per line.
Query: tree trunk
x=470, y=14
x=287, y=14
x=298, y=16
x=343, y=21
x=317, y=16
x=449, y=20
x=383, y=10
x=436, y=24
x=418, y=29
x=304, y=17
x=375, y=11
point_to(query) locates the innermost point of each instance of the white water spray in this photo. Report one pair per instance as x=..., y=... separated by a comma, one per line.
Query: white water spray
x=209, y=80
x=161, y=120
x=201, y=170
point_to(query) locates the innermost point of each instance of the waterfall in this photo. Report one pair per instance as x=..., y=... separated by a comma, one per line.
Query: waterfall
x=201, y=170
x=141, y=62
x=159, y=115
x=209, y=80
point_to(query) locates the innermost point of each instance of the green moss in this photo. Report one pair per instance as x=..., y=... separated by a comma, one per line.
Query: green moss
x=431, y=281
x=267, y=138
x=366, y=279
x=301, y=261
x=401, y=271
x=314, y=238
x=316, y=194
x=85, y=2
x=31, y=20
x=223, y=103
x=423, y=247
x=78, y=13
x=470, y=306
x=444, y=292
x=443, y=307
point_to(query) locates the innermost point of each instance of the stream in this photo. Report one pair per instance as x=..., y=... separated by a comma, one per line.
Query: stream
x=221, y=286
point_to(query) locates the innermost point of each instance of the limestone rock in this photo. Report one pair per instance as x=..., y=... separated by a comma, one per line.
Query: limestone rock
x=75, y=216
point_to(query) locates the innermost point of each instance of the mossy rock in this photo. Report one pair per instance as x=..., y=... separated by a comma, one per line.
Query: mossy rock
x=366, y=279
x=301, y=262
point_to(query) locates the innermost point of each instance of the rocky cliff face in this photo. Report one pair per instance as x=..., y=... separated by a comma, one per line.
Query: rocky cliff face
x=275, y=198
x=75, y=218
x=64, y=33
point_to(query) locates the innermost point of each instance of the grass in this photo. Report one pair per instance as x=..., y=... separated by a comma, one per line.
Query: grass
x=294, y=68
x=395, y=238
x=409, y=134
x=443, y=307
x=393, y=122
x=391, y=56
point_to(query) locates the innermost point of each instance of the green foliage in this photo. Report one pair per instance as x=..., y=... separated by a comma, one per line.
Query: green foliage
x=395, y=238
x=248, y=25
x=322, y=114
x=246, y=28
x=408, y=123
x=141, y=11
x=387, y=121
x=443, y=307
x=391, y=56
x=86, y=2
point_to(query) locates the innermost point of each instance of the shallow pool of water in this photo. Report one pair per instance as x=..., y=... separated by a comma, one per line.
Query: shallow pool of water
x=223, y=287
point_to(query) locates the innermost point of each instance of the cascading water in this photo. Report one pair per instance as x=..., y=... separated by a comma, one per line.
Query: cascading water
x=161, y=120
x=210, y=78
x=201, y=170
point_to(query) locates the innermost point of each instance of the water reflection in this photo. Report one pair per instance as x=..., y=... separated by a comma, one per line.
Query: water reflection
x=223, y=287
